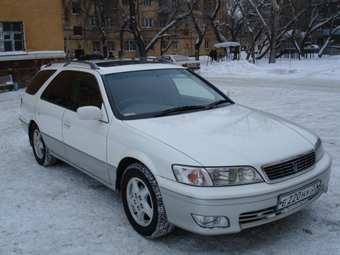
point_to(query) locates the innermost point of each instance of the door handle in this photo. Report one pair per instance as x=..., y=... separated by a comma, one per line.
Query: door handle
x=67, y=124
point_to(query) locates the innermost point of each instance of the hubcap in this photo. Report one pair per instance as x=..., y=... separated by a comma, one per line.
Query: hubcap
x=38, y=144
x=139, y=201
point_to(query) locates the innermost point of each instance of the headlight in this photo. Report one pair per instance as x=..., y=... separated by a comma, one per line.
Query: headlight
x=318, y=147
x=219, y=176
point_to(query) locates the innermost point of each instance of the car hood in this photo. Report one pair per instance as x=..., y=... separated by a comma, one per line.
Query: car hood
x=232, y=135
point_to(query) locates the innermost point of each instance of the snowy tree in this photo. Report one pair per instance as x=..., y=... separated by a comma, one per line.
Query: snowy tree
x=317, y=21
x=211, y=10
x=180, y=11
x=235, y=19
x=333, y=29
x=198, y=19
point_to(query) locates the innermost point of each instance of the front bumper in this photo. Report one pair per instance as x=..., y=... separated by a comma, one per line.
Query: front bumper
x=239, y=203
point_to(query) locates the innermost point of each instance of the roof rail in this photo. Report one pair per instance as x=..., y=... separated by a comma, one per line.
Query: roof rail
x=68, y=62
x=96, y=64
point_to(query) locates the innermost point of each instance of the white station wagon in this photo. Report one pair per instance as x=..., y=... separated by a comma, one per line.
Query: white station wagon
x=177, y=149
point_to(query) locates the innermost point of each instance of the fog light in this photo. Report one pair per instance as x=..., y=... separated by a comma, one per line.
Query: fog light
x=211, y=221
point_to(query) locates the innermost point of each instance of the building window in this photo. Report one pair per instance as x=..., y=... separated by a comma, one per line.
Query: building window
x=75, y=8
x=77, y=31
x=109, y=21
x=96, y=46
x=175, y=45
x=111, y=4
x=147, y=22
x=207, y=44
x=110, y=46
x=152, y=47
x=173, y=3
x=146, y=2
x=162, y=22
x=129, y=46
x=94, y=21
x=11, y=36
x=164, y=45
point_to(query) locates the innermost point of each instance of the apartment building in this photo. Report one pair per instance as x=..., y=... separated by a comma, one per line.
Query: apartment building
x=93, y=29
x=31, y=34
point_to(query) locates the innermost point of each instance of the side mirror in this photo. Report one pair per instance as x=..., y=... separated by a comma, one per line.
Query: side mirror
x=89, y=113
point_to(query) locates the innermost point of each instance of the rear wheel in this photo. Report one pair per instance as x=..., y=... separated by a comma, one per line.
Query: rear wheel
x=143, y=202
x=40, y=151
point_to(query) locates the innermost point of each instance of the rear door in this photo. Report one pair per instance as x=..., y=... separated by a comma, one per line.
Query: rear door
x=50, y=109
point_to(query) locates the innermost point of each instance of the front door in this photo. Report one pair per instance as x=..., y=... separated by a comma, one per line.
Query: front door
x=85, y=140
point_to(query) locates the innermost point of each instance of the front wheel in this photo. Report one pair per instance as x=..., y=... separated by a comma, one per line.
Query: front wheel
x=143, y=202
x=40, y=150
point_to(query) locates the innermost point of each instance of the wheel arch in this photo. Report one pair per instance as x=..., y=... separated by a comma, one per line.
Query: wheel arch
x=30, y=125
x=125, y=162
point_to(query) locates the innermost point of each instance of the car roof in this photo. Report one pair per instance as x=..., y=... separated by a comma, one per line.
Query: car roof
x=111, y=66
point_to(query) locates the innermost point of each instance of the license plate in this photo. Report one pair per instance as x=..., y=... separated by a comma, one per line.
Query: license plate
x=298, y=195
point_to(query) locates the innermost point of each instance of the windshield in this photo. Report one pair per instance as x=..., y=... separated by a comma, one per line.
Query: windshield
x=156, y=93
x=181, y=58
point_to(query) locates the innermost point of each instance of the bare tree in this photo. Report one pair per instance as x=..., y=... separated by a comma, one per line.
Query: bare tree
x=235, y=18
x=332, y=31
x=316, y=22
x=178, y=14
x=200, y=29
x=211, y=10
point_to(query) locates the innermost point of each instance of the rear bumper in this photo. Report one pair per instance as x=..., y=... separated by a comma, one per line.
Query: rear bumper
x=181, y=201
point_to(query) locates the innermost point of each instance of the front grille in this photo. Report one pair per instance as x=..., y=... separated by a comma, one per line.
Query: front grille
x=285, y=168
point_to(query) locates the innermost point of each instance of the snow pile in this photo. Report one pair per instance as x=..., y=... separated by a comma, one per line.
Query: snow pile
x=327, y=67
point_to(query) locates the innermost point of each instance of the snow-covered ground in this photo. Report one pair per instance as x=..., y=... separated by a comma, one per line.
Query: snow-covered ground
x=58, y=210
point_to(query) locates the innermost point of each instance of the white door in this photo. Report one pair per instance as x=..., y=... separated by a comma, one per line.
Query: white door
x=85, y=140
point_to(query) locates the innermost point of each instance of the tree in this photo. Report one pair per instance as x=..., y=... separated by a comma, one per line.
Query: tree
x=211, y=9
x=178, y=13
x=316, y=22
x=235, y=19
x=201, y=30
x=332, y=31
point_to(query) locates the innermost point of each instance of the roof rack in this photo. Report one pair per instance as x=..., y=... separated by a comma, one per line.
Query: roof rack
x=126, y=61
x=68, y=62
x=97, y=64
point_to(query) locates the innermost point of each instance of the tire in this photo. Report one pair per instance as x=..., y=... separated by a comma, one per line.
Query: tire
x=143, y=203
x=40, y=151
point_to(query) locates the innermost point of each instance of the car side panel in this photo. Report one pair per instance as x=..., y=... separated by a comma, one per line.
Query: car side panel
x=49, y=119
x=85, y=144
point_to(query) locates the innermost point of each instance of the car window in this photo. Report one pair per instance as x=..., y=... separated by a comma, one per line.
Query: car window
x=181, y=58
x=85, y=91
x=38, y=80
x=142, y=94
x=72, y=89
x=58, y=91
x=168, y=58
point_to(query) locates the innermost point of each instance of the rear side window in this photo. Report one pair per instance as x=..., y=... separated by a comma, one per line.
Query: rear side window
x=58, y=92
x=38, y=80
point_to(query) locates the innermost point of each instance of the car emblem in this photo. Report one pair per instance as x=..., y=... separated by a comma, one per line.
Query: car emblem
x=295, y=166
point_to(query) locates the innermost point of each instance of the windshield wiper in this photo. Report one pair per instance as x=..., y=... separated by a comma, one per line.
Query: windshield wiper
x=216, y=103
x=180, y=109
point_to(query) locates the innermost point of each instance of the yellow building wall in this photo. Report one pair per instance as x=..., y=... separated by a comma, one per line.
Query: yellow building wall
x=43, y=28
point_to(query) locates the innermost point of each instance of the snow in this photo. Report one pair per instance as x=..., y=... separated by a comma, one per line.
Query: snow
x=58, y=210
